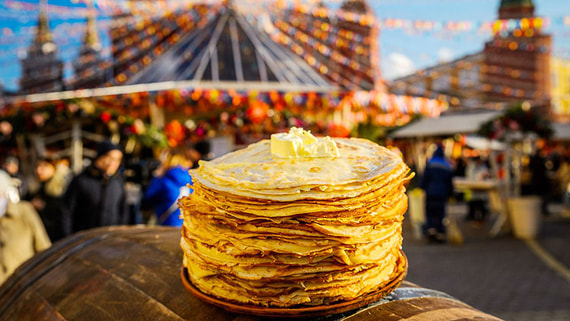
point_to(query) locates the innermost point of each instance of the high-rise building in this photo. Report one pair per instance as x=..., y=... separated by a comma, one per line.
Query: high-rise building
x=42, y=70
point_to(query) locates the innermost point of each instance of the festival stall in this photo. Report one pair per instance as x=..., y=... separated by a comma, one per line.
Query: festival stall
x=202, y=71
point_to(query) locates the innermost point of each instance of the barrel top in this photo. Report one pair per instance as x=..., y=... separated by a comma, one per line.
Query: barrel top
x=133, y=273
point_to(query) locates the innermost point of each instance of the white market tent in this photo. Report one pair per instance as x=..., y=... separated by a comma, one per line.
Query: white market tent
x=446, y=125
x=482, y=143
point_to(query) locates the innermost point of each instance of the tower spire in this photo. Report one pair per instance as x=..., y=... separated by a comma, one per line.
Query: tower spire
x=516, y=9
x=91, y=37
x=89, y=68
x=42, y=71
x=43, y=34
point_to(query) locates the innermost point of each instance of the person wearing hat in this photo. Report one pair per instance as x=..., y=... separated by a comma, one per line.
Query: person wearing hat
x=22, y=233
x=96, y=197
x=437, y=182
x=200, y=151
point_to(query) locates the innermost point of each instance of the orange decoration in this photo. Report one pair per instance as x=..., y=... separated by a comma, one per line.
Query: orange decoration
x=338, y=130
x=257, y=111
x=175, y=133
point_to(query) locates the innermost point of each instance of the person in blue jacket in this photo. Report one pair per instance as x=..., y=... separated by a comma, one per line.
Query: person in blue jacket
x=437, y=182
x=164, y=191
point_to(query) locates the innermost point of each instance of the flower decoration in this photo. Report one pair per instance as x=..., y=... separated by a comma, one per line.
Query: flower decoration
x=257, y=111
x=175, y=133
x=105, y=117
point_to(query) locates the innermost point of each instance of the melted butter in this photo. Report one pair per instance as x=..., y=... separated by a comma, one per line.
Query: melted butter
x=301, y=143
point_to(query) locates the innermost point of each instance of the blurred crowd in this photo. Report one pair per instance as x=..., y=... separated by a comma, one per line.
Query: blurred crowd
x=55, y=203
x=545, y=173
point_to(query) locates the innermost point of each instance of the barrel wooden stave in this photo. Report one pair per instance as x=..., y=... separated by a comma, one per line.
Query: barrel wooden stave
x=133, y=273
x=432, y=309
x=32, y=308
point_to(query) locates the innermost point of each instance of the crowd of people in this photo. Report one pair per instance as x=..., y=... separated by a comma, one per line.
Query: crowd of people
x=56, y=203
x=545, y=173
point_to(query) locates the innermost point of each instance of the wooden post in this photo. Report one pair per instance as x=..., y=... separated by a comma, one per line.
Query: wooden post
x=509, y=169
x=26, y=163
x=38, y=144
x=76, y=147
x=156, y=115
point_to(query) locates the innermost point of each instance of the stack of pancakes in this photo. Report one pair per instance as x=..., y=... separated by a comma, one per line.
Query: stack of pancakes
x=282, y=232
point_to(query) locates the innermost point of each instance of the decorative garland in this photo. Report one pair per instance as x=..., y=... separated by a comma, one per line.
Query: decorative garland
x=184, y=23
x=280, y=37
x=37, y=117
x=109, y=7
x=323, y=49
x=208, y=112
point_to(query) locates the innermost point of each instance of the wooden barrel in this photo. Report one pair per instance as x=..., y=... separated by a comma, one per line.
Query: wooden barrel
x=133, y=273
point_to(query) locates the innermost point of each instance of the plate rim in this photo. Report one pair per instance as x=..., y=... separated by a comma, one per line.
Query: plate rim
x=334, y=308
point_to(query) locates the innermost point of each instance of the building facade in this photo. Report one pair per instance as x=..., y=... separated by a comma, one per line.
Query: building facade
x=514, y=66
x=517, y=59
x=90, y=69
x=560, y=92
x=42, y=70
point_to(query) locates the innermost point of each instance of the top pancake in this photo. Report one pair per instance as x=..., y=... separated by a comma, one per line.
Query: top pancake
x=255, y=173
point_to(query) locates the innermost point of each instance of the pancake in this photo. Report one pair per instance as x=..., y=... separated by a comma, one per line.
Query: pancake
x=295, y=231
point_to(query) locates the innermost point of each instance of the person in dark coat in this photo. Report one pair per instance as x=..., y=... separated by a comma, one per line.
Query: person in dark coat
x=53, y=180
x=96, y=197
x=540, y=181
x=437, y=182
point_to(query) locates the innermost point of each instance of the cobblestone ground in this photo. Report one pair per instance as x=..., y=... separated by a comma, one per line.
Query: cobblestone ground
x=502, y=275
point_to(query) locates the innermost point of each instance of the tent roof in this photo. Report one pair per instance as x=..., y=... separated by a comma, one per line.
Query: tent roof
x=482, y=143
x=229, y=49
x=446, y=125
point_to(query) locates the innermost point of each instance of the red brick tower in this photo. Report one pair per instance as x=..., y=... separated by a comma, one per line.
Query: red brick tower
x=517, y=60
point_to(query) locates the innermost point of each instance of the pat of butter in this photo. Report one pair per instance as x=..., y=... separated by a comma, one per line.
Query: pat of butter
x=324, y=147
x=300, y=143
x=286, y=145
x=305, y=135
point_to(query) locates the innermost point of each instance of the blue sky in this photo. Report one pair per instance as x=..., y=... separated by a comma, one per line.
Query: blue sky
x=400, y=52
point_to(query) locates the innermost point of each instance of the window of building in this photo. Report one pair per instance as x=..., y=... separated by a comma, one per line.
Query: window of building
x=553, y=80
x=442, y=83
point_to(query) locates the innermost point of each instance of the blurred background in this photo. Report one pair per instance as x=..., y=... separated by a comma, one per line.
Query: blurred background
x=488, y=81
